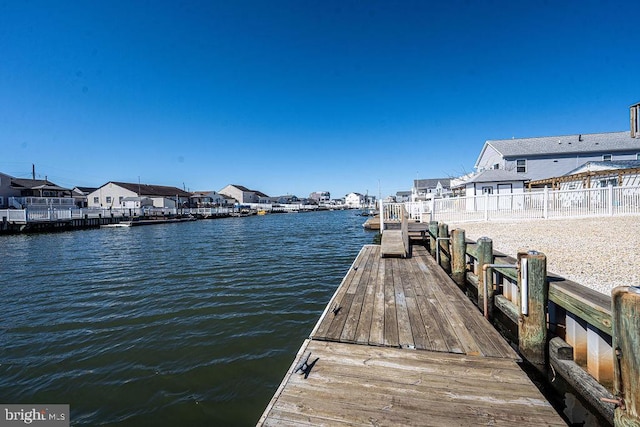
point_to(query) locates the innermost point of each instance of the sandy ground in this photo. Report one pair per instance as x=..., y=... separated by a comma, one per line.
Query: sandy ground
x=600, y=253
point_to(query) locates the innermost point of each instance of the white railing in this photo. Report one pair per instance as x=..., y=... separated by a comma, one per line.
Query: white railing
x=14, y=215
x=542, y=204
x=57, y=202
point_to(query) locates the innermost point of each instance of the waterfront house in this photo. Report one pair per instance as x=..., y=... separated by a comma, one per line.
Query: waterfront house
x=355, y=200
x=321, y=197
x=426, y=189
x=207, y=199
x=21, y=193
x=113, y=195
x=403, y=196
x=80, y=195
x=242, y=194
x=553, y=156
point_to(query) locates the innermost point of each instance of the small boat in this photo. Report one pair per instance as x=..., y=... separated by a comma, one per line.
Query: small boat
x=262, y=212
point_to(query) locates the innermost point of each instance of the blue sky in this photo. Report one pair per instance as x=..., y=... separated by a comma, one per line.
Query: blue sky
x=290, y=97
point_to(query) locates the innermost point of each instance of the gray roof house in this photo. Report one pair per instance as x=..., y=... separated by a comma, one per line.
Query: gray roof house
x=244, y=195
x=491, y=181
x=424, y=189
x=552, y=156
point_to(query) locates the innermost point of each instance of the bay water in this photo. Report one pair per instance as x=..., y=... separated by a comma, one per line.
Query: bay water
x=190, y=324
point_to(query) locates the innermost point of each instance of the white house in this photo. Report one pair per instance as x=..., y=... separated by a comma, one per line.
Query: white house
x=355, y=200
x=113, y=195
x=426, y=189
x=493, y=181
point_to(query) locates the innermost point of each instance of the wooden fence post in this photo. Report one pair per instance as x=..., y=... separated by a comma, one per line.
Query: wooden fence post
x=625, y=301
x=484, y=256
x=458, y=258
x=433, y=233
x=534, y=295
x=445, y=254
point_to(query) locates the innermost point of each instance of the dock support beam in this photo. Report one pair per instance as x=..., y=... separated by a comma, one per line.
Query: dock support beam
x=484, y=256
x=433, y=234
x=625, y=301
x=458, y=258
x=445, y=254
x=534, y=293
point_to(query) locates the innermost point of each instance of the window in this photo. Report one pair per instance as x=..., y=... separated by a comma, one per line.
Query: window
x=496, y=166
x=606, y=157
x=108, y=200
x=609, y=182
x=96, y=200
x=521, y=166
x=637, y=156
x=487, y=190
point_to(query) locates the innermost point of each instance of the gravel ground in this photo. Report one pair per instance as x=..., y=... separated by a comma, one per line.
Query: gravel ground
x=600, y=253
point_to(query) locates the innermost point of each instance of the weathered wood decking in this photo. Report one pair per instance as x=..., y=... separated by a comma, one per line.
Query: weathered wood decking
x=399, y=344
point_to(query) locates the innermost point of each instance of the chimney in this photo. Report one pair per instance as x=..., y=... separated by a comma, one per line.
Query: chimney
x=634, y=111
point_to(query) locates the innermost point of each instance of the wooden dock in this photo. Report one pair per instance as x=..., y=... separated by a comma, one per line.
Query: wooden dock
x=400, y=344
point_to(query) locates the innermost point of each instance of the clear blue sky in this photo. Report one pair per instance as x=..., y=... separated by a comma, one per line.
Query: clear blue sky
x=301, y=96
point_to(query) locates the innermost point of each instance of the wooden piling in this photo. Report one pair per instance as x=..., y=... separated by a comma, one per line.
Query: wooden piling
x=433, y=234
x=625, y=301
x=484, y=256
x=445, y=255
x=458, y=258
x=532, y=325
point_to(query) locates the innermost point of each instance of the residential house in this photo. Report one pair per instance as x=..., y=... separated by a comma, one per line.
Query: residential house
x=80, y=195
x=243, y=195
x=355, y=200
x=23, y=193
x=113, y=195
x=426, y=189
x=553, y=156
x=321, y=197
x=207, y=199
x=403, y=196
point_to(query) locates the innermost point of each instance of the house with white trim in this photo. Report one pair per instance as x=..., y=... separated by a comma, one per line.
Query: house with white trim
x=243, y=195
x=355, y=200
x=125, y=195
x=426, y=189
x=20, y=193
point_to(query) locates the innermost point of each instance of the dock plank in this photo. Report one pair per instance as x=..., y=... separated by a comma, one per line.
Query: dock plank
x=364, y=385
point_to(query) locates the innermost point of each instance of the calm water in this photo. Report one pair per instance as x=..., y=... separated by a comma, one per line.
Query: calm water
x=167, y=325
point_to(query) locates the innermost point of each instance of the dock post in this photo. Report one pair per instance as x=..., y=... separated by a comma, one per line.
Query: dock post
x=433, y=233
x=445, y=254
x=458, y=258
x=625, y=302
x=484, y=256
x=534, y=302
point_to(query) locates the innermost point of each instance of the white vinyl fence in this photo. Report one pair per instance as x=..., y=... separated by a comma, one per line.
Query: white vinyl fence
x=543, y=204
